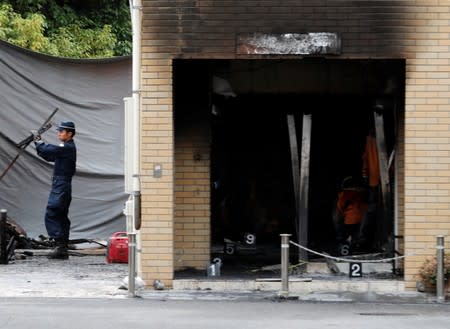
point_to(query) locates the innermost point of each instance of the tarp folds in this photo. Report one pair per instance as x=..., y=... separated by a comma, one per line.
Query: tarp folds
x=88, y=92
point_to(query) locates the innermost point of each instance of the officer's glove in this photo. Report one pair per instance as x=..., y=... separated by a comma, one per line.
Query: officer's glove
x=36, y=136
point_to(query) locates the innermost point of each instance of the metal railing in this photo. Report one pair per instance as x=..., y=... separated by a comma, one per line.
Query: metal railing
x=285, y=242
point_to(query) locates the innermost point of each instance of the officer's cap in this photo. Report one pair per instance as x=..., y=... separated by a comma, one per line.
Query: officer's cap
x=68, y=125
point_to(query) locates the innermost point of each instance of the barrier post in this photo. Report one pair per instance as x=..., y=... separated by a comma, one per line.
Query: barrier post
x=440, y=269
x=284, y=292
x=3, y=242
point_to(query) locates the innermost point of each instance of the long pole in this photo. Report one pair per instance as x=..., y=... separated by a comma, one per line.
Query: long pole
x=295, y=168
x=136, y=20
x=440, y=269
x=27, y=141
x=304, y=187
x=3, y=244
x=284, y=265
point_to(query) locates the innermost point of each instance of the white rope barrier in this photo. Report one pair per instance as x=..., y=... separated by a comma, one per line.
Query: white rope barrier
x=352, y=260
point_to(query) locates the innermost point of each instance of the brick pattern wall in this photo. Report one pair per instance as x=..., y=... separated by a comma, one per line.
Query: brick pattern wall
x=417, y=30
x=427, y=188
x=192, y=196
x=157, y=149
x=400, y=193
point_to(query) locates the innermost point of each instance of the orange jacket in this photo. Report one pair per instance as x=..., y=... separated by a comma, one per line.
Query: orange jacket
x=371, y=168
x=352, y=205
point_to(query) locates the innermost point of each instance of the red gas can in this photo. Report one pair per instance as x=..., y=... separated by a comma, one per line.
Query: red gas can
x=117, y=251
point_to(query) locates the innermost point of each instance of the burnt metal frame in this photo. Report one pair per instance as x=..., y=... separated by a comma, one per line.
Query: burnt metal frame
x=384, y=164
x=301, y=179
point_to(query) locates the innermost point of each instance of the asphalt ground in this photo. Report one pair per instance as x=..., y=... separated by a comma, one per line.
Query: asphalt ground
x=90, y=276
x=73, y=313
x=79, y=276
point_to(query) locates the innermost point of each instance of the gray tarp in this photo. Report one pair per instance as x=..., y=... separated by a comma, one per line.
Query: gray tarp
x=88, y=92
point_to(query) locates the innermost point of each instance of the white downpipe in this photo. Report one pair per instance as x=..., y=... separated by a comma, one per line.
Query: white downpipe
x=136, y=20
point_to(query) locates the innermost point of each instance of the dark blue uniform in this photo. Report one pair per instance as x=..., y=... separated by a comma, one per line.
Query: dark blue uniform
x=64, y=156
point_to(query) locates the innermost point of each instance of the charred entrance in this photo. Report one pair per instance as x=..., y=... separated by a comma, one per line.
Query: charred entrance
x=238, y=111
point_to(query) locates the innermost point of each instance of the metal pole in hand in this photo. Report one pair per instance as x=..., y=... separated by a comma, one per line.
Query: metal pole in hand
x=3, y=243
x=440, y=269
x=284, y=265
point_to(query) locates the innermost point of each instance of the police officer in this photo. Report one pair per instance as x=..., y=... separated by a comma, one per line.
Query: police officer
x=64, y=156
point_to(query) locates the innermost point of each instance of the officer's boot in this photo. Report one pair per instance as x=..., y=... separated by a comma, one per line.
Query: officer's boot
x=60, y=252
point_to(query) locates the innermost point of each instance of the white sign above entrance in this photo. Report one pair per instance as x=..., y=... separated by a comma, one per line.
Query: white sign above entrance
x=322, y=43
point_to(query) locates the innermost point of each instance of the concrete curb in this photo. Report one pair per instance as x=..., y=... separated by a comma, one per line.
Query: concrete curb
x=296, y=285
x=314, y=297
x=340, y=290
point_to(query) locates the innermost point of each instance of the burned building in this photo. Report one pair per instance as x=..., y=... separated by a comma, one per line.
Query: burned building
x=224, y=84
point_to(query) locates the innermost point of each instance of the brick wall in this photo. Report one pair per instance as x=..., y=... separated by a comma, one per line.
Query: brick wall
x=417, y=30
x=400, y=194
x=192, y=197
x=427, y=133
x=157, y=148
x=192, y=164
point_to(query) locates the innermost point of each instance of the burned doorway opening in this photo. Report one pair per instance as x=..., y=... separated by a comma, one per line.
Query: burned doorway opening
x=241, y=107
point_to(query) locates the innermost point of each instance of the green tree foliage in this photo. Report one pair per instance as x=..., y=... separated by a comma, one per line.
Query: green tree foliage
x=73, y=41
x=68, y=28
x=25, y=32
